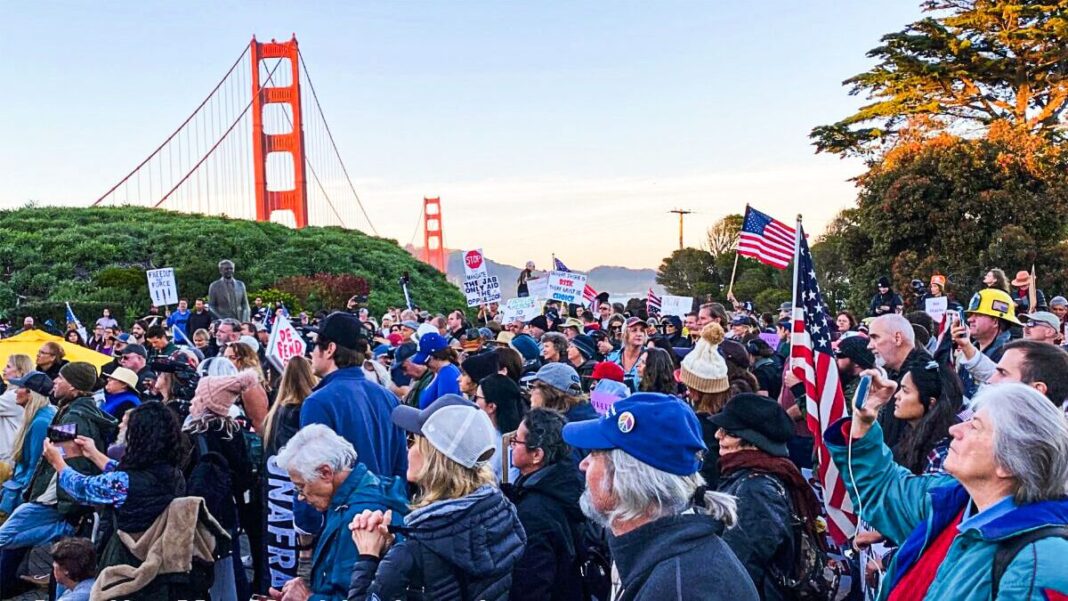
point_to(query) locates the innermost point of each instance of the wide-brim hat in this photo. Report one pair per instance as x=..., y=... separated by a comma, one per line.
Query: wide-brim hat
x=1022, y=278
x=757, y=420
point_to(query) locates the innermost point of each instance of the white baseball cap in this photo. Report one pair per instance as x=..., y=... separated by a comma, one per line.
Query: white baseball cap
x=453, y=425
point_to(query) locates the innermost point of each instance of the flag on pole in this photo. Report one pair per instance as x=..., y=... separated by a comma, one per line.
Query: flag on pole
x=558, y=265
x=588, y=293
x=812, y=360
x=765, y=239
x=72, y=318
x=652, y=303
x=179, y=337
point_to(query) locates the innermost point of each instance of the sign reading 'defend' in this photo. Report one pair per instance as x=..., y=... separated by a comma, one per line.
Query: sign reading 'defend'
x=284, y=344
x=566, y=286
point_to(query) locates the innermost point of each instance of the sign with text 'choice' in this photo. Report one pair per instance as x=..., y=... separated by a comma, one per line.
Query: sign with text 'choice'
x=482, y=291
x=566, y=286
x=284, y=344
x=162, y=287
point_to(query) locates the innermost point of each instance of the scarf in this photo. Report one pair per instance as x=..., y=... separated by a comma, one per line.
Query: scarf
x=803, y=499
x=216, y=394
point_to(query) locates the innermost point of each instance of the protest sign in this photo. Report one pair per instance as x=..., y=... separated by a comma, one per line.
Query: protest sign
x=282, y=548
x=566, y=286
x=474, y=265
x=676, y=305
x=936, y=308
x=161, y=286
x=522, y=309
x=538, y=288
x=482, y=291
x=284, y=344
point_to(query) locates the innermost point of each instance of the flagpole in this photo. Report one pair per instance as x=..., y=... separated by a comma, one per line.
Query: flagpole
x=730, y=287
x=1032, y=292
x=793, y=293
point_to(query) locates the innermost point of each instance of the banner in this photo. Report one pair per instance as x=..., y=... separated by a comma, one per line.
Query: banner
x=936, y=308
x=284, y=344
x=482, y=291
x=676, y=305
x=538, y=288
x=162, y=288
x=522, y=309
x=281, y=536
x=474, y=265
x=566, y=286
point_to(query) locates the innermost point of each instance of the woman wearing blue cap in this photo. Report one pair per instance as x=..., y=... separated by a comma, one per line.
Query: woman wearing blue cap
x=443, y=361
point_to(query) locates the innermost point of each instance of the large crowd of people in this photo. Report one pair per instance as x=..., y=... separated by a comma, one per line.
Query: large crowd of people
x=585, y=453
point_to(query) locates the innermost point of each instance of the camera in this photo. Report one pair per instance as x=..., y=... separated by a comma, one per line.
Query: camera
x=405, y=279
x=185, y=380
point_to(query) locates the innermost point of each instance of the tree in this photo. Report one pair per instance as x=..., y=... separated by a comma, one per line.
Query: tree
x=971, y=64
x=688, y=272
x=723, y=235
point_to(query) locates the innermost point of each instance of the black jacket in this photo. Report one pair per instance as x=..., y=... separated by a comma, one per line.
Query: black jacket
x=457, y=549
x=198, y=321
x=679, y=558
x=764, y=536
x=548, y=505
x=890, y=299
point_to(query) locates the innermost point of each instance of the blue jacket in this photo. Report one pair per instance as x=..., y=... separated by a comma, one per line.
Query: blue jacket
x=359, y=410
x=913, y=510
x=32, y=447
x=181, y=320
x=335, y=553
x=117, y=404
x=446, y=381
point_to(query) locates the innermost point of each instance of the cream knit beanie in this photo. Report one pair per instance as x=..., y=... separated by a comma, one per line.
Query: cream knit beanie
x=703, y=368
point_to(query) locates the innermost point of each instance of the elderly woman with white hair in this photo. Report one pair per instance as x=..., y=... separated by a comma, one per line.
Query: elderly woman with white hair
x=993, y=526
x=642, y=477
x=324, y=469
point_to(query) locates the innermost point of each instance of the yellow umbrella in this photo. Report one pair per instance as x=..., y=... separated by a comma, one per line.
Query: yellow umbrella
x=29, y=342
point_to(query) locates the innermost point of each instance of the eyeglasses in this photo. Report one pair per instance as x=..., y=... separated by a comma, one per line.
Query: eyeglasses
x=477, y=397
x=515, y=441
x=44, y=352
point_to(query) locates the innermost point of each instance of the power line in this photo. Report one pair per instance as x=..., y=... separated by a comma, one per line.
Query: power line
x=681, y=213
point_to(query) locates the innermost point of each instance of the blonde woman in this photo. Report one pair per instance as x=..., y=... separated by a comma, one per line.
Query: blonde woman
x=463, y=537
x=31, y=394
x=10, y=411
x=254, y=399
x=283, y=420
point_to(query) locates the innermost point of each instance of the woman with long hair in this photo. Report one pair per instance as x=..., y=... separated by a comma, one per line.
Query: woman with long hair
x=996, y=278
x=657, y=372
x=845, y=322
x=444, y=362
x=74, y=337
x=928, y=399
x=254, y=399
x=31, y=393
x=10, y=411
x=283, y=420
x=502, y=401
x=463, y=537
x=704, y=373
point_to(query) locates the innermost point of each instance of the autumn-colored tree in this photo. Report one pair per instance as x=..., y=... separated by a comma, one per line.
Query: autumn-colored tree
x=688, y=272
x=324, y=290
x=723, y=236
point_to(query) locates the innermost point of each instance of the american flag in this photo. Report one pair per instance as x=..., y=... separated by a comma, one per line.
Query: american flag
x=652, y=304
x=765, y=239
x=813, y=362
x=588, y=293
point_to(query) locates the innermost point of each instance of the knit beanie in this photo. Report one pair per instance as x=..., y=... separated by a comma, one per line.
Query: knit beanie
x=481, y=365
x=703, y=368
x=216, y=394
x=80, y=375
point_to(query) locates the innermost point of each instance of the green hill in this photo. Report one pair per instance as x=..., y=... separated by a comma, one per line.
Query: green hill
x=97, y=257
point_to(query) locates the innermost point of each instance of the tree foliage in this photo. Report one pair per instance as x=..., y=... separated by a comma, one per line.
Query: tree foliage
x=957, y=207
x=688, y=272
x=101, y=254
x=967, y=65
x=723, y=235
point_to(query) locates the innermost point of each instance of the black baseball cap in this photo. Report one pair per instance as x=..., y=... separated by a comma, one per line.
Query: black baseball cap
x=344, y=329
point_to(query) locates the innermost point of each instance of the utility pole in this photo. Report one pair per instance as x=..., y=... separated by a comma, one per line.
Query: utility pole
x=680, y=212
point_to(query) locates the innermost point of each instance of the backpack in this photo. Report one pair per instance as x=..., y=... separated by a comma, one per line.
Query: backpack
x=815, y=576
x=210, y=480
x=595, y=562
x=1010, y=547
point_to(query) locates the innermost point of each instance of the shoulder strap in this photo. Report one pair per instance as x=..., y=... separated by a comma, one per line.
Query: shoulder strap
x=1009, y=548
x=202, y=445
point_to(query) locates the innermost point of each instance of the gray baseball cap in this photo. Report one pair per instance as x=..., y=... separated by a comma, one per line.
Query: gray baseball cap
x=560, y=376
x=453, y=425
x=1042, y=317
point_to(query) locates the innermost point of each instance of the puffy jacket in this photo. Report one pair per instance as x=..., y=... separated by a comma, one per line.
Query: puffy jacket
x=89, y=421
x=335, y=553
x=457, y=549
x=913, y=510
x=679, y=558
x=359, y=410
x=116, y=405
x=763, y=536
x=548, y=505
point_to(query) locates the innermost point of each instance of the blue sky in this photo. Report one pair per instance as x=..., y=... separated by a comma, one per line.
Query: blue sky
x=566, y=127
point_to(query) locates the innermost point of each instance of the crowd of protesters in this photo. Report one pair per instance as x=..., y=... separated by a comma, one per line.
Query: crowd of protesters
x=584, y=453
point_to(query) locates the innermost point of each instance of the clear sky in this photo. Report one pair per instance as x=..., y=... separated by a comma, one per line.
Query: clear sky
x=568, y=127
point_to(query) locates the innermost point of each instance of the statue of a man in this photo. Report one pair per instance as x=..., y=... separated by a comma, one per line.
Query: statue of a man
x=226, y=296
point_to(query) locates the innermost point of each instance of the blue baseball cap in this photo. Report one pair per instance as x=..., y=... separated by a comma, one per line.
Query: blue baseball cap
x=429, y=343
x=656, y=429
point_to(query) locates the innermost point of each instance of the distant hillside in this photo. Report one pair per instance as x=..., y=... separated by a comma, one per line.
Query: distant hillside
x=619, y=281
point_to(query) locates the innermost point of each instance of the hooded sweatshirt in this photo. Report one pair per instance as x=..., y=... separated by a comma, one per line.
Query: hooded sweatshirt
x=10, y=420
x=462, y=548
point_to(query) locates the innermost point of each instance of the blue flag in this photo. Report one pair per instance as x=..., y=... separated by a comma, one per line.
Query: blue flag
x=72, y=318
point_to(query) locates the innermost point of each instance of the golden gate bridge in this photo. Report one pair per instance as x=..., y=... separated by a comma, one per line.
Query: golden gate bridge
x=258, y=147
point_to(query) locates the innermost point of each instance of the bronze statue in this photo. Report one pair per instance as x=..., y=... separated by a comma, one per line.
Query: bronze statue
x=226, y=296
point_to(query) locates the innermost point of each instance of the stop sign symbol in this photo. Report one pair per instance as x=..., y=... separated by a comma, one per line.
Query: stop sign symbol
x=473, y=258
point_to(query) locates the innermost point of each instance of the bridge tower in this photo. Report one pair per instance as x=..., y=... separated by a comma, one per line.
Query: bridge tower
x=291, y=143
x=433, y=243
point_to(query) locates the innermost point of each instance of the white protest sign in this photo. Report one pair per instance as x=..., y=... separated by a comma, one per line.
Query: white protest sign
x=161, y=286
x=538, y=288
x=676, y=305
x=936, y=307
x=482, y=291
x=474, y=264
x=284, y=344
x=566, y=286
x=522, y=309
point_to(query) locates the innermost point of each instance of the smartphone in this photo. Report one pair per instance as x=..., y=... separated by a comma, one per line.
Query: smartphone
x=62, y=433
x=861, y=395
